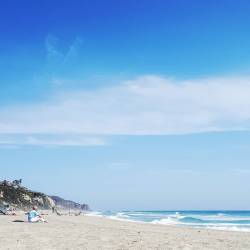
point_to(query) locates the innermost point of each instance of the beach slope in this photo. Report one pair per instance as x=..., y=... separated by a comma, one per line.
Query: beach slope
x=88, y=232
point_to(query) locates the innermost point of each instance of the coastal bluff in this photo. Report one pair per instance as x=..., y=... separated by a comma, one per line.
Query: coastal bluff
x=14, y=196
x=67, y=204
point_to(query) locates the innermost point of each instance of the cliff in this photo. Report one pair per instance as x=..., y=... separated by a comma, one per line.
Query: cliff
x=14, y=196
x=67, y=204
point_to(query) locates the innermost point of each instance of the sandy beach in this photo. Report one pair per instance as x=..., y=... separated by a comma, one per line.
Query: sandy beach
x=88, y=232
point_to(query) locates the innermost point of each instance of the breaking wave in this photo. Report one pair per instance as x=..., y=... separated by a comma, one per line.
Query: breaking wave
x=219, y=220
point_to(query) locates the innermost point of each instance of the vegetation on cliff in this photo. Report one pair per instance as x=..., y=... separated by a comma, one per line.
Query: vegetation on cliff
x=15, y=196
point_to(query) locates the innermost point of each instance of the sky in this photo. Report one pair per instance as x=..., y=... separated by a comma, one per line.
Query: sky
x=127, y=105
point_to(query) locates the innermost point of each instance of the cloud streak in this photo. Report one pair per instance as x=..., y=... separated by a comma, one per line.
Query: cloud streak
x=147, y=105
x=55, y=56
x=51, y=140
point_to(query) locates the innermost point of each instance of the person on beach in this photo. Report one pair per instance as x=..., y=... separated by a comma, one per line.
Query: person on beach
x=34, y=216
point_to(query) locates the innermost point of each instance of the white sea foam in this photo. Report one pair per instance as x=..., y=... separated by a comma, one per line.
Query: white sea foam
x=113, y=217
x=217, y=221
x=167, y=221
x=94, y=213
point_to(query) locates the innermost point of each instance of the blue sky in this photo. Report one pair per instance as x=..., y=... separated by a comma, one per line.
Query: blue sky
x=127, y=104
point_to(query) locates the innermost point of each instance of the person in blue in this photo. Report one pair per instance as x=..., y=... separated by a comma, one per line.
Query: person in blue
x=34, y=216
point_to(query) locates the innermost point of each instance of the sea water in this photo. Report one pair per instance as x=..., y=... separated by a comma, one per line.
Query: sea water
x=220, y=220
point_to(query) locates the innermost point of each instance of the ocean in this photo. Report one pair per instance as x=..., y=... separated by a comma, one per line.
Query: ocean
x=220, y=220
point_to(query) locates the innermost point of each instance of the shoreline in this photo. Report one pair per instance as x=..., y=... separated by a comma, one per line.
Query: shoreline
x=216, y=228
x=100, y=233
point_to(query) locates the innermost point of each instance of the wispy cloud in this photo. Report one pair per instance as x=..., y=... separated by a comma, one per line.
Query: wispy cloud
x=55, y=55
x=52, y=140
x=51, y=45
x=147, y=105
x=73, y=51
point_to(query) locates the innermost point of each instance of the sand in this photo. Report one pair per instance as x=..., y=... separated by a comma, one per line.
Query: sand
x=88, y=232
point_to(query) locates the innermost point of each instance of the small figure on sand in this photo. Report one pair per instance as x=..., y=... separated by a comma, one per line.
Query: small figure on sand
x=34, y=216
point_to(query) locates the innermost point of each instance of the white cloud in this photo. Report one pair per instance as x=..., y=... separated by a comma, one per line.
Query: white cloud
x=147, y=105
x=52, y=140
